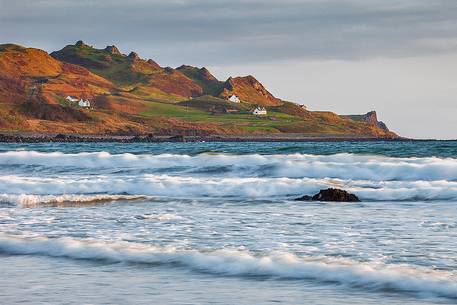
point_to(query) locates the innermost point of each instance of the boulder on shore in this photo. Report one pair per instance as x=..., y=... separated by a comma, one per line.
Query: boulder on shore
x=331, y=194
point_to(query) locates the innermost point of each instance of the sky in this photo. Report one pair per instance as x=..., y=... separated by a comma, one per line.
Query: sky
x=398, y=57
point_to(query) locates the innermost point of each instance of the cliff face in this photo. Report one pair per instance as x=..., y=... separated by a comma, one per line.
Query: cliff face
x=372, y=119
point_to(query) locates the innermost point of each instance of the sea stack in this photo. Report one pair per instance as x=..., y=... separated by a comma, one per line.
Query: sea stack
x=331, y=195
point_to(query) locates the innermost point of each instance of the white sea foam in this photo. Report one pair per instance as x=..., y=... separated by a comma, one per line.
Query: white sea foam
x=159, y=217
x=223, y=175
x=369, y=275
x=343, y=166
x=36, y=200
x=82, y=188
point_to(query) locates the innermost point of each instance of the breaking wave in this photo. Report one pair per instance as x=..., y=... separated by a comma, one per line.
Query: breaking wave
x=37, y=189
x=339, y=166
x=374, y=276
x=159, y=217
x=53, y=178
x=67, y=199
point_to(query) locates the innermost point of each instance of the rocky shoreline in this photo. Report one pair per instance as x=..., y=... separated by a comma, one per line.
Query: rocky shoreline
x=151, y=138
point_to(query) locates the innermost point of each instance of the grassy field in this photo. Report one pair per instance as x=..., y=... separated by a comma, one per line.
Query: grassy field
x=244, y=119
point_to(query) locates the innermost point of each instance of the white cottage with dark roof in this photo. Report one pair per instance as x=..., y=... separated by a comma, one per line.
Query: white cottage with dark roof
x=84, y=103
x=234, y=99
x=259, y=111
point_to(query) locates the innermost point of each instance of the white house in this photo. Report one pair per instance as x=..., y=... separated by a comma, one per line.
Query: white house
x=303, y=107
x=84, y=103
x=71, y=99
x=259, y=111
x=234, y=99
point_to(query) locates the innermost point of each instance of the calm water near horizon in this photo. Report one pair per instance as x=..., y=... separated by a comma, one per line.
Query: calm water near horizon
x=216, y=223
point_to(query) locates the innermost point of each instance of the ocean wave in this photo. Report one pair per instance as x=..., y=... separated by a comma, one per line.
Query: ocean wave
x=342, y=166
x=374, y=276
x=159, y=217
x=63, y=200
x=20, y=188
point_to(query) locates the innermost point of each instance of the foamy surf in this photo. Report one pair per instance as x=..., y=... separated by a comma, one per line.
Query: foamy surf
x=339, y=166
x=159, y=217
x=82, y=187
x=28, y=201
x=374, y=276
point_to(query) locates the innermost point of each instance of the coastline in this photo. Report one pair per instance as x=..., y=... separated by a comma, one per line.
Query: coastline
x=25, y=137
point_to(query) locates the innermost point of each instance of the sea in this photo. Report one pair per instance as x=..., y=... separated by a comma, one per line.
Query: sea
x=217, y=223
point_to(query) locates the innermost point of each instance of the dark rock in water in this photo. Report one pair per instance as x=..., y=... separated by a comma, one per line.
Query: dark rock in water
x=331, y=194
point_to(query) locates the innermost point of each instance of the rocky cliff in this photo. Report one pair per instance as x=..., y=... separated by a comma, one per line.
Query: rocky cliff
x=372, y=119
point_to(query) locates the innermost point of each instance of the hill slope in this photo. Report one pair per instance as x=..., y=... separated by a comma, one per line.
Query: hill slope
x=130, y=95
x=204, y=78
x=130, y=72
x=22, y=69
x=249, y=89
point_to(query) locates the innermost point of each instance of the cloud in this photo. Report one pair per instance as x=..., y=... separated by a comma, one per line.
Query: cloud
x=224, y=32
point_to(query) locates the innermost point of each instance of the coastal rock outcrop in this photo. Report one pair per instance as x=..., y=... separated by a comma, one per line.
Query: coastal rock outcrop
x=153, y=63
x=372, y=119
x=80, y=43
x=113, y=50
x=133, y=56
x=331, y=194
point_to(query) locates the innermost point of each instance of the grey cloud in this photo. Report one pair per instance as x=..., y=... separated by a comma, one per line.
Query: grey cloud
x=226, y=32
